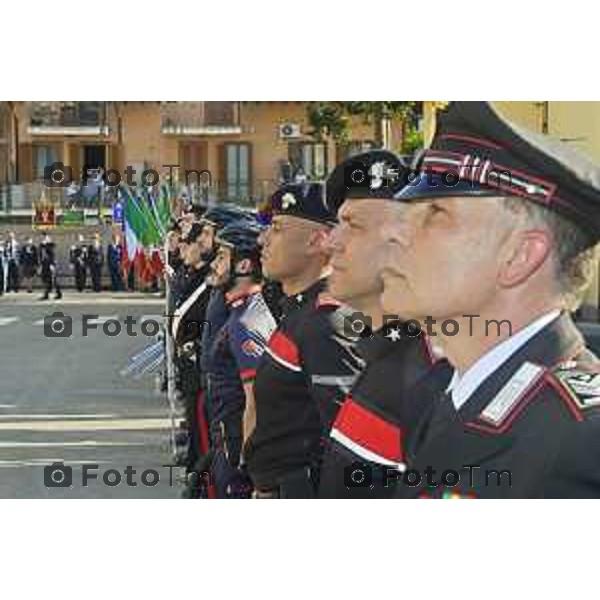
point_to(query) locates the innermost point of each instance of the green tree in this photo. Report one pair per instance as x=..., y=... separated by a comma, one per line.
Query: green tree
x=328, y=119
x=332, y=119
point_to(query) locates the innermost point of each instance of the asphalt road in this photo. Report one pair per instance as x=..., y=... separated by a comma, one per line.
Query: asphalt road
x=63, y=399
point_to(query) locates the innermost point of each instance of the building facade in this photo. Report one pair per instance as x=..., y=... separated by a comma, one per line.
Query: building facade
x=248, y=147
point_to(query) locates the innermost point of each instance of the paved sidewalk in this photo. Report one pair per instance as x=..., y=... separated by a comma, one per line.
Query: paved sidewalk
x=87, y=298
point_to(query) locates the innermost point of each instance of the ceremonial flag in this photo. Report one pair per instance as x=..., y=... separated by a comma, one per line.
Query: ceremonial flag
x=145, y=222
x=133, y=225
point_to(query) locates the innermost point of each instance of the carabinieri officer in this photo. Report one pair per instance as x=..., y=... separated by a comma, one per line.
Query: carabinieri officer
x=309, y=363
x=498, y=236
x=378, y=414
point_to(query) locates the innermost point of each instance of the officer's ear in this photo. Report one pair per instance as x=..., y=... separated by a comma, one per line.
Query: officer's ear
x=244, y=266
x=320, y=240
x=525, y=253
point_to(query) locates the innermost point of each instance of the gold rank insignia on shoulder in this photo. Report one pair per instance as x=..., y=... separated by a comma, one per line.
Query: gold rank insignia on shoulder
x=582, y=386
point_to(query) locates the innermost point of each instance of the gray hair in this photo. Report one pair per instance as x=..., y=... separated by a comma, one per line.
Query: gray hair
x=574, y=255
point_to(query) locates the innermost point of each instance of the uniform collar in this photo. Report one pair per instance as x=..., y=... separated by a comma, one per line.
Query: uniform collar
x=379, y=344
x=557, y=342
x=237, y=298
x=462, y=387
x=295, y=301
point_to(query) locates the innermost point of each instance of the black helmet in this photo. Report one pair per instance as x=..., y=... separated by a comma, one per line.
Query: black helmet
x=221, y=215
x=242, y=236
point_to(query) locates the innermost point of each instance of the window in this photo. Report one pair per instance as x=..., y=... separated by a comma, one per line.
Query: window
x=220, y=113
x=310, y=158
x=43, y=156
x=237, y=171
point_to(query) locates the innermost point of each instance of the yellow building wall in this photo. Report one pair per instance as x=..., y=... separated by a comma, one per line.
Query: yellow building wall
x=142, y=140
x=260, y=124
x=578, y=124
x=526, y=114
x=575, y=123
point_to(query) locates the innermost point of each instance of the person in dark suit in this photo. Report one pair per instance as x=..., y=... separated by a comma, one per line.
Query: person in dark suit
x=11, y=258
x=47, y=253
x=493, y=258
x=78, y=259
x=95, y=258
x=114, y=256
x=29, y=261
x=2, y=267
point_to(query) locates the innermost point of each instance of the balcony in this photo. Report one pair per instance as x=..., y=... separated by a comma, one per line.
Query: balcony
x=200, y=118
x=68, y=119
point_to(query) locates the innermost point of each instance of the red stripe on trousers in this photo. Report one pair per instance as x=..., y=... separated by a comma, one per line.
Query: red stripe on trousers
x=204, y=440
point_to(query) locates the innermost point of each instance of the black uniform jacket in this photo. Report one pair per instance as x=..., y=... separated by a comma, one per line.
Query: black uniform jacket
x=306, y=371
x=193, y=321
x=379, y=413
x=530, y=430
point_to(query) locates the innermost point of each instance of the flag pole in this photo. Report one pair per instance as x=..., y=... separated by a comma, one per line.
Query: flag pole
x=169, y=349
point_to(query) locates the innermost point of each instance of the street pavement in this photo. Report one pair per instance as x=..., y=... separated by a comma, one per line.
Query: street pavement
x=63, y=399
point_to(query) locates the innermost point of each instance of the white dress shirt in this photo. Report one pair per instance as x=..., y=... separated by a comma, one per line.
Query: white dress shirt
x=462, y=387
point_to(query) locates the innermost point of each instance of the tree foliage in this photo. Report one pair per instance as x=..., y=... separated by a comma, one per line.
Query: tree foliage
x=332, y=120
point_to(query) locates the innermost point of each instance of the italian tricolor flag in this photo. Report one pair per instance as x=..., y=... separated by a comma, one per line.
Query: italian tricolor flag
x=145, y=225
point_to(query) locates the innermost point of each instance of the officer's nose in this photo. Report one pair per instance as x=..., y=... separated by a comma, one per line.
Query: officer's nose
x=261, y=237
x=334, y=240
x=265, y=237
x=398, y=230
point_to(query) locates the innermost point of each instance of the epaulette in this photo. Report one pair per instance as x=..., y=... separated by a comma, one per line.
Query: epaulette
x=499, y=414
x=581, y=382
x=257, y=318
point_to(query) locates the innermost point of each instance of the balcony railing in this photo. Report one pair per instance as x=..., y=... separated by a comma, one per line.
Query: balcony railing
x=23, y=197
x=200, y=118
x=68, y=118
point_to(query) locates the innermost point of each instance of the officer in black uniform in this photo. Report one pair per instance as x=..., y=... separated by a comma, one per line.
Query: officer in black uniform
x=235, y=353
x=11, y=258
x=192, y=273
x=95, y=260
x=114, y=257
x=377, y=415
x=2, y=267
x=189, y=296
x=48, y=262
x=194, y=302
x=78, y=259
x=309, y=364
x=498, y=235
x=29, y=261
